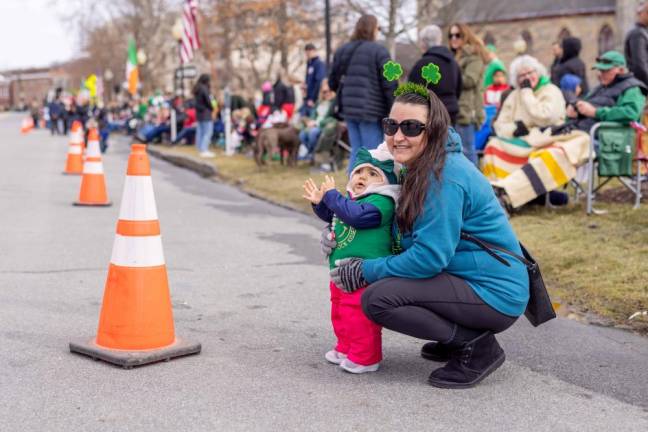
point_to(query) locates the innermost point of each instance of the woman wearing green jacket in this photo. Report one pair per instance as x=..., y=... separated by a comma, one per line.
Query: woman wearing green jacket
x=471, y=55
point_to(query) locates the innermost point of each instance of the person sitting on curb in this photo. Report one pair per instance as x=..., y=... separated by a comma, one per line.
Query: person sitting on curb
x=440, y=287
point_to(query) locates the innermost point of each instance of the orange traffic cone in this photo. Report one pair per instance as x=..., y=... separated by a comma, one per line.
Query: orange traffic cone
x=93, y=183
x=27, y=125
x=136, y=320
x=74, y=163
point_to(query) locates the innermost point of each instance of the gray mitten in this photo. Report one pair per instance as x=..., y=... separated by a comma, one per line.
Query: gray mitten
x=347, y=275
x=327, y=241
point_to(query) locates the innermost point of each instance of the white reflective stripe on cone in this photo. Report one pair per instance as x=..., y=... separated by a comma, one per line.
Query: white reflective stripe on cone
x=138, y=200
x=74, y=149
x=93, y=167
x=140, y=251
x=93, y=149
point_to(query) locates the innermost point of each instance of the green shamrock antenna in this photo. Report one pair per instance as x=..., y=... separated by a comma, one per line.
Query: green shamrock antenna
x=431, y=74
x=392, y=70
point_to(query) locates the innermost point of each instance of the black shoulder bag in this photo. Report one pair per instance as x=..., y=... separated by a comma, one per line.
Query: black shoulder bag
x=337, y=109
x=539, y=309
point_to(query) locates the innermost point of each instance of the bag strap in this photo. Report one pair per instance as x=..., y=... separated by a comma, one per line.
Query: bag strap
x=348, y=63
x=489, y=249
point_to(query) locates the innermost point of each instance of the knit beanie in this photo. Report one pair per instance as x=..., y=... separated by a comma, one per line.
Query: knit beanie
x=379, y=158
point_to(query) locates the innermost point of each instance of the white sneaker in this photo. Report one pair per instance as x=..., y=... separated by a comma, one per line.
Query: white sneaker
x=354, y=368
x=334, y=357
x=207, y=154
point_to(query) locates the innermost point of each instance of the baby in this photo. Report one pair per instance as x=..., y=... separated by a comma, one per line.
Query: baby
x=361, y=223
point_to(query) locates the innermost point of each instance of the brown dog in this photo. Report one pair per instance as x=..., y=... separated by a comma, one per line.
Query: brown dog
x=280, y=136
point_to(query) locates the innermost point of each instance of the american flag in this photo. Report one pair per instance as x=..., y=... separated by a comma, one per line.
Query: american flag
x=190, y=40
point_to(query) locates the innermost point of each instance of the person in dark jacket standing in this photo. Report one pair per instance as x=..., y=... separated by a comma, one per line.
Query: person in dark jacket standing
x=204, y=109
x=636, y=45
x=315, y=73
x=570, y=63
x=364, y=95
x=448, y=89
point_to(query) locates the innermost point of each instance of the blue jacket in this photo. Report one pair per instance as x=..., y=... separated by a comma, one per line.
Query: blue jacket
x=353, y=213
x=463, y=200
x=315, y=73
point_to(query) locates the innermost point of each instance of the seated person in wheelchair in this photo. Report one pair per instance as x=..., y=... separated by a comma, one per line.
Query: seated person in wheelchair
x=556, y=152
x=321, y=118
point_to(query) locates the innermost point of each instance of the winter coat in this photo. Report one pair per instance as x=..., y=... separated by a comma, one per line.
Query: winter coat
x=570, y=63
x=636, y=52
x=282, y=94
x=315, y=73
x=448, y=89
x=463, y=200
x=540, y=107
x=203, y=103
x=471, y=110
x=366, y=94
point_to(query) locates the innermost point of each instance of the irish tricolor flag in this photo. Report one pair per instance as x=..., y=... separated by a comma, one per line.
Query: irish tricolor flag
x=132, y=75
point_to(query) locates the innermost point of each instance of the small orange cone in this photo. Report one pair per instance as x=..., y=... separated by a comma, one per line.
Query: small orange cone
x=27, y=125
x=136, y=320
x=93, y=184
x=74, y=163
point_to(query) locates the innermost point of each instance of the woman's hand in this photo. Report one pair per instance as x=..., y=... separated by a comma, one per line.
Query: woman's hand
x=312, y=193
x=327, y=241
x=347, y=275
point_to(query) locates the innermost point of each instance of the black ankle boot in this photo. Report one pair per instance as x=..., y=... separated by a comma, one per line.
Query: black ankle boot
x=470, y=363
x=436, y=351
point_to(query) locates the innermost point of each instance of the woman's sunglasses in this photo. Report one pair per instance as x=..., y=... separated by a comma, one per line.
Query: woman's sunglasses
x=409, y=128
x=454, y=36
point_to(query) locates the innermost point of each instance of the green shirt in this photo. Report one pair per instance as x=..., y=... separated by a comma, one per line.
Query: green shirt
x=365, y=243
x=628, y=108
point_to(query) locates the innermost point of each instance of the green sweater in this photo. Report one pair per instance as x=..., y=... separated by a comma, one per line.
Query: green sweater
x=365, y=243
x=629, y=106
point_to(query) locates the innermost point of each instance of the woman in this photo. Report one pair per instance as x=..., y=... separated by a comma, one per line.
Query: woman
x=365, y=95
x=204, y=109
x=534, y=106
x=440, y=287
x=471, y=55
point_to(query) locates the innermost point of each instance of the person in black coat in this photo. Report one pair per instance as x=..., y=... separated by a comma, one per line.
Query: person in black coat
x=204, y=110
x=570, y=63
x=448, y=89
x=364, y=95
x=636, y=46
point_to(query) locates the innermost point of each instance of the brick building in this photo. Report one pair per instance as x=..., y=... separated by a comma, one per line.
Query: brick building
x=600, y=24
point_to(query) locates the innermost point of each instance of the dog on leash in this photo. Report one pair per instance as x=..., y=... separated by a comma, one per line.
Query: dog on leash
x=280, y=136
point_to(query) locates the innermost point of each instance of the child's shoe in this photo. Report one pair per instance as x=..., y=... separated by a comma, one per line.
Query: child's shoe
x=354, y=368
x=334, y=357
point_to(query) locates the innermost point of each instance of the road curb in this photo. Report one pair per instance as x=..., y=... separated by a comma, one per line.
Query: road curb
x=198, y=166
x=205, y=169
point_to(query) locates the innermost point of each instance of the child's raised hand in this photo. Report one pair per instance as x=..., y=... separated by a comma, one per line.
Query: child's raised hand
x=311, y=192
x=328, y=184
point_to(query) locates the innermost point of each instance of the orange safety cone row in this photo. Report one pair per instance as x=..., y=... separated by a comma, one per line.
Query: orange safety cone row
x=74, y=162
x=27, y=125
x=136, y=319
x=93, y=184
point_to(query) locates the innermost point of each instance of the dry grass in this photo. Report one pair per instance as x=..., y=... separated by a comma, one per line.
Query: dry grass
x=596, y=264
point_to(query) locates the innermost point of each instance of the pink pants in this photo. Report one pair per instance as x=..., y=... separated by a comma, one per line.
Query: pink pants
x=357, y=336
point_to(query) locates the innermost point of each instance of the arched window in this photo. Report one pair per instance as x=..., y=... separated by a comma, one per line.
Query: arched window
x=489, y=39
x=605, y=39
x=563, y=34
x=528, y=39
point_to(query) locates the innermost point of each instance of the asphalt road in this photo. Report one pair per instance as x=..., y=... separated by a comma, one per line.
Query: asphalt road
x=248, y=283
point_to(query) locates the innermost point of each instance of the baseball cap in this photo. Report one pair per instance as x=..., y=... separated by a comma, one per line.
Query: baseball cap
x=608, y=60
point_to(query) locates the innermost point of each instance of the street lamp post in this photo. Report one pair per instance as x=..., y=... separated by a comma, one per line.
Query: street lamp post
x=176, y=32
x=108, y=76
x=327, y=24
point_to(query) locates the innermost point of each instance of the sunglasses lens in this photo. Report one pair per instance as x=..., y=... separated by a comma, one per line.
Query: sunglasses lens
x=411, y=128
x=390, y=126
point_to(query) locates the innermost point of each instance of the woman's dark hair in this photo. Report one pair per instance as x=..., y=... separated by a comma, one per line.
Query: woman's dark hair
x=203, y=80
x=365, y=28
x=430, y=161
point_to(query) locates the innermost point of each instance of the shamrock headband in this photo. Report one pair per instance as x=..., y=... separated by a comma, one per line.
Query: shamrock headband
x=392, y=71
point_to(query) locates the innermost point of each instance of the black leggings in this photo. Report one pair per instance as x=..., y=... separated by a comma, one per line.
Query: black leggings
x=444, y=308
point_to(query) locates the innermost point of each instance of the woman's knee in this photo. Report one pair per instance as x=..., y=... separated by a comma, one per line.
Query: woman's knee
x=375, y=298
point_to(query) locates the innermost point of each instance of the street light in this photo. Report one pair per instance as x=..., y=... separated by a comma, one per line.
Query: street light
x=108, y=76
x=177, y=32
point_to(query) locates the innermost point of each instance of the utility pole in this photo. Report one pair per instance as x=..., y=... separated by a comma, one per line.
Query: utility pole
x=327, y=21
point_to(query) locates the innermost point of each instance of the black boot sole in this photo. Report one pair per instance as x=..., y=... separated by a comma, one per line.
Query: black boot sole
x=454, y=385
